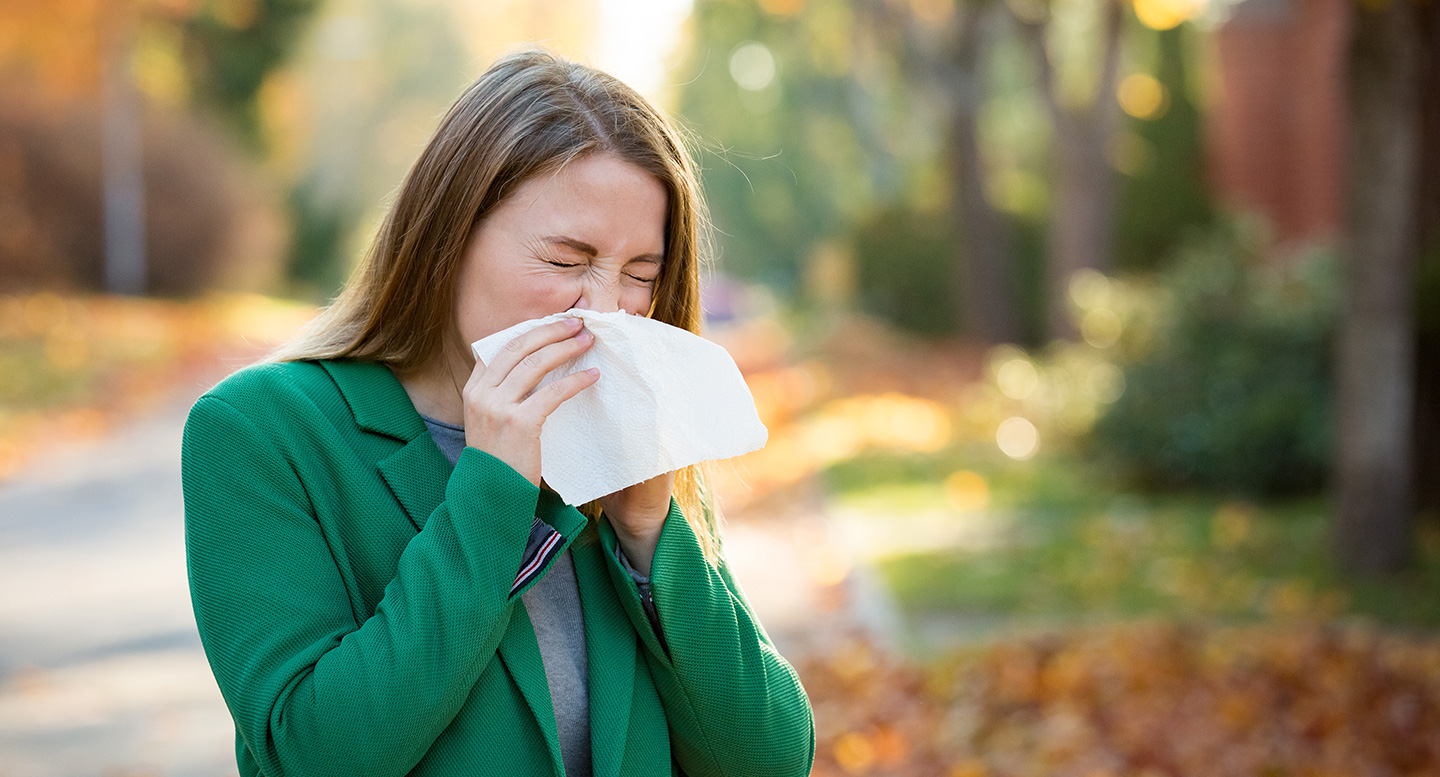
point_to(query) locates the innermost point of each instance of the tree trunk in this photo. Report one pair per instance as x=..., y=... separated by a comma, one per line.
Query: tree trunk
x=1083, y=214
x=1082, y=210
x=121, y=154
x=1427, y=345
x=982, y=276
x=1376, y=340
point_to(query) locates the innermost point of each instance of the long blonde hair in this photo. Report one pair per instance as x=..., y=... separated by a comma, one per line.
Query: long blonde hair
x=530, y=113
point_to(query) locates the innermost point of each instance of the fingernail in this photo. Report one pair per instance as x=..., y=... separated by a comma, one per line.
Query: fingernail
x=594, y=370
x=574, y=323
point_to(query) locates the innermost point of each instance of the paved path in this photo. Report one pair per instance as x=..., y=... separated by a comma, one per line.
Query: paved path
x=101, y=670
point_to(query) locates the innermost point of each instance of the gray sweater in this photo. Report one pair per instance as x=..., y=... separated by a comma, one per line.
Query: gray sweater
x=553, y=606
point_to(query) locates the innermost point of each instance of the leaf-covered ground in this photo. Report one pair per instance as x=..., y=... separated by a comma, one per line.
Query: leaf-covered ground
x=71, y=366
x=1190, y=634
x=1142, y=700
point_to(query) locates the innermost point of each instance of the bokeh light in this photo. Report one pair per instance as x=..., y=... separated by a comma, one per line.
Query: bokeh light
x=782, y=7
x=1231, y=526
x=1100, y=327
x=1017, y=378
x=1017, y=438
x=752, y=65
x=1105, y=382
x=933, y=11
x=1142, y=96
x=827, y=564
x=1166, y=14
x=967, y=491
x=1089, y=289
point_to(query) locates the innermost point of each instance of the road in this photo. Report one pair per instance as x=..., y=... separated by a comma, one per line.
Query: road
x=101, y=669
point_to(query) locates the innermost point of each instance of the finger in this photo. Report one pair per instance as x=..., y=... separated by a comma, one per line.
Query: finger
x=477, y=374
x=544, y=401
x=527, y=375
x=515, y=351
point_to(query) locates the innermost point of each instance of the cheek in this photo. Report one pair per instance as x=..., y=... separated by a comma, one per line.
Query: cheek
x=496, y=303
x=545, y=293
x=561, y=293
x=636, y=300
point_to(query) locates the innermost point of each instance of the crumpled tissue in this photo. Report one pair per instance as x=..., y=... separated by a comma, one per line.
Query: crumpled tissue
x=666, y=399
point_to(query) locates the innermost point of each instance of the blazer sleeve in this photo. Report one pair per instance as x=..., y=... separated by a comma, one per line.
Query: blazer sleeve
x=734, y=706
x=313, y=689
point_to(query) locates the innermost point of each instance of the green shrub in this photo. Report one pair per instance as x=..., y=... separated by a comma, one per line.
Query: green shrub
x=1232, y=390
x=904, y=262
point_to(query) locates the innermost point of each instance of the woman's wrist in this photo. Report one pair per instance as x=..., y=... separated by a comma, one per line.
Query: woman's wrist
x=637, y=514
x=639, y=548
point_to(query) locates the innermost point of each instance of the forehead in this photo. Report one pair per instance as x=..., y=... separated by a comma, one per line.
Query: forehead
x=595, y=192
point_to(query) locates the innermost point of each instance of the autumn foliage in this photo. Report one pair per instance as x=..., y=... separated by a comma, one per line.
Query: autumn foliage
x=1149, y=700
x=72, y=367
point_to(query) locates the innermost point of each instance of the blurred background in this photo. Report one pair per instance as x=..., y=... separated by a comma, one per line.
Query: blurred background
x=1098, y=341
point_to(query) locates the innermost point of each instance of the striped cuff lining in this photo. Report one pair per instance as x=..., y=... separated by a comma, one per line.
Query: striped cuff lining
x=544, y=544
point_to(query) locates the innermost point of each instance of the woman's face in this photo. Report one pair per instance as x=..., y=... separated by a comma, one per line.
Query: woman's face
x=589, y=236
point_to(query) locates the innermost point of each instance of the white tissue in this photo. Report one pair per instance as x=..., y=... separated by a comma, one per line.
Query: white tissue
x=666, y=399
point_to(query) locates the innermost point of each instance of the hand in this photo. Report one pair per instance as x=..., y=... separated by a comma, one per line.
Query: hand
x=637, y=514
x=504, y=412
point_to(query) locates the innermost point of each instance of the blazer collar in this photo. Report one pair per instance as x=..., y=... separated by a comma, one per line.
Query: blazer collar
x=417, y=472
x=376, y=399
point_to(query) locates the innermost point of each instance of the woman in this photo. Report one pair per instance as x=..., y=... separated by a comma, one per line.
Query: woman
x=381, y=581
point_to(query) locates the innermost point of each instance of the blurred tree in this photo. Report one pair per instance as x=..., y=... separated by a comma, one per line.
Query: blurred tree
x=207, y=222
x=1163, y=193
x=54, y=44
x=345, y=119
x=942, y=47
x=785, y=109
x=1085, y=120
x=791, y=108
x=1376, y=348
x=52, y=58
x=957, y=127
x=858, y=123
x=122, y=156
x=348, y=114
x=901, y=253
x=216, y=51
x=1427, y=304
x=177, y=53
x=229, y=47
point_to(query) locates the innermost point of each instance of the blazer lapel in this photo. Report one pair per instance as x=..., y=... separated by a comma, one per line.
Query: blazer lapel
x=416, y=473
x=520, y=654
x=610, y=650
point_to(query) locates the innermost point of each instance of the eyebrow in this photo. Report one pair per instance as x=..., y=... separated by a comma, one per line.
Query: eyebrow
x=591, y=251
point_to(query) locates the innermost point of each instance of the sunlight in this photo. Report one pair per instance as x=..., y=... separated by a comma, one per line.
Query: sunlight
x=636, y=39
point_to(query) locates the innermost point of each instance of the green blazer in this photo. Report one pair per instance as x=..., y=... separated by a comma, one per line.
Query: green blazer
x=352, y=591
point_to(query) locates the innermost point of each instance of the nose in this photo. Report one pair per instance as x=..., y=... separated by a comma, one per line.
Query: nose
x=601, y=295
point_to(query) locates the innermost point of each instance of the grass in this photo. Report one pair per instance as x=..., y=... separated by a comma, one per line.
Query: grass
x=1073, y=546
